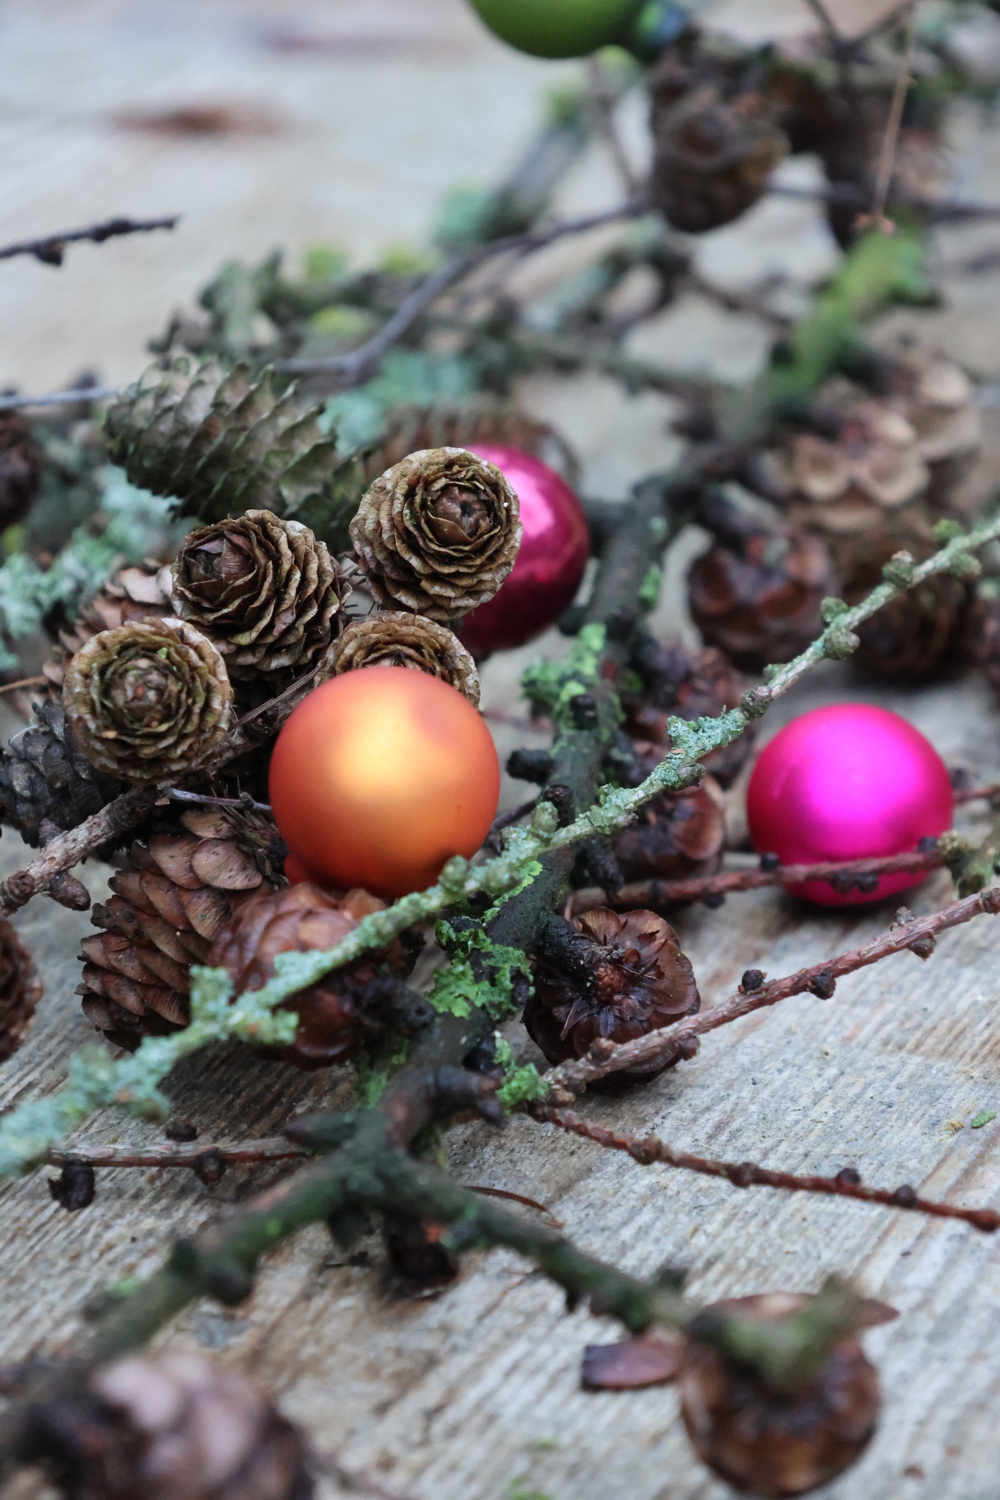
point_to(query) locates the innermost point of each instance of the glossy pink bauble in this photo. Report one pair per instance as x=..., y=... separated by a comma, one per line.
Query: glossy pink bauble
x=847, y=782
x=554, y=551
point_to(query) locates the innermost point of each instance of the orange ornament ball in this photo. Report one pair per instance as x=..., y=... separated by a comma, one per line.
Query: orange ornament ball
x=379, y=777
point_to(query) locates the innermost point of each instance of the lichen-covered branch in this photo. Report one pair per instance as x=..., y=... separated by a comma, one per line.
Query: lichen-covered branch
x=846, y=1184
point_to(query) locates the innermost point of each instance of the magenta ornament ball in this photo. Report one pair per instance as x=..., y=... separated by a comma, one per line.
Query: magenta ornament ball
x=554, y=551
x=847, y=782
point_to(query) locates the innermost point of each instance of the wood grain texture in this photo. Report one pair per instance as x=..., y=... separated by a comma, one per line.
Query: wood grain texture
x=458, y=1397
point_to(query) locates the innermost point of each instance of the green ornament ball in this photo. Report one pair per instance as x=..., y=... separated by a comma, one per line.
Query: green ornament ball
x=557, y=28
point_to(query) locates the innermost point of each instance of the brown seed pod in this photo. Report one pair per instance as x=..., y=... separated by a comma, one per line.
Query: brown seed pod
x=138, y=592
x=395, y=638
x=20, y=990
x=690, y=684
x=148, y=702
x=21, y=462
x=45, y=775
x=918, y=633
x=609, y=976
x=265, y=591
x=777, y=1444
x=171, y=1426
x=165, y=910
x=712, y=156
x=331, y=1021
x=677, y=834
x=761, y=604
x=438, y=533
x=981, y=639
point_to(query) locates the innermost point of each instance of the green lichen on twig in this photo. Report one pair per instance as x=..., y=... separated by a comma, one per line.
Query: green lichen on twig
x=481, y=974
x=521, y=1083
x=551, y=685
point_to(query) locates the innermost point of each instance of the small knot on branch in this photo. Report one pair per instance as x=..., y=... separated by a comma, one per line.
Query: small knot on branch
x=822, y=985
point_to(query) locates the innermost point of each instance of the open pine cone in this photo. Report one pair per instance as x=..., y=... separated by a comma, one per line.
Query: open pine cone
x=171, y=1426
x=438, y=533
x=332, y=1023
x=395, y=638
x=150, y=701
x=167, y=907
x=20, y=990
x=612, y=976
x=777, y=1444
x=264, y=591
x=21, y=463
x=690, y=684
x=139, y=592
x=44, y=775
x=676, y=834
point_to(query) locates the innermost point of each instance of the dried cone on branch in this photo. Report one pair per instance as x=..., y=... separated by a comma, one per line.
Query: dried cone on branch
x=44, y=775
x=264, y=591
x=438, y=533
x=332, y=1021
x=171, y=1426
x=20, y=990
x=759, y=601
x=149, y=701
x=779, y=1443
x=981, y=639
x=165, y=911
x=918, y=633
x=677, y=834
x=139, y=592
x=612, y=977
x=21, y=462
x=690, y=684
x=393, y=638
x=712, y=156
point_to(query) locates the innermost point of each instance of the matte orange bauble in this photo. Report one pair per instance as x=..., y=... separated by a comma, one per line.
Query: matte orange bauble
x=380, y=776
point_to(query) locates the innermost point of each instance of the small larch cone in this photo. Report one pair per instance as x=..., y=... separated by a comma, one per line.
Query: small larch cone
x=265, y=592
x=139, y=592
x=918, y=633
x=150, y=701
x=761, y=604
x=712, y=157
x=438, y=533
x=610, y=976
x=981, y=638
x=394, y=638
x=677, y=834
x=165, y=911
x=332, y=1022
x=171, y=1426
x=20, y=990
x=222, y=441
x=44, y=775
x=21, y=463
x=777, y=1444
x=690, y=684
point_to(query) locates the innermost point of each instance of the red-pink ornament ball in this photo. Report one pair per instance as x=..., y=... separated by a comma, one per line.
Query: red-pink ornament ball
x=848, y=782
x=554, y=551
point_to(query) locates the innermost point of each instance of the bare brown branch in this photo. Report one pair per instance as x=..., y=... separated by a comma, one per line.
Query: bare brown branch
x=846, y=1184
x=51, y=248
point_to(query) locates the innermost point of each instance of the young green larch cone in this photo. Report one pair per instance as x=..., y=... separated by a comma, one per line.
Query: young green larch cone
x=20, y=990
x=149, y=701
x=394, y=638
x=438, y=533
x=171, y=1426
x=265, y=591
x=174, y=895
x=222, y=441
x=45, y=775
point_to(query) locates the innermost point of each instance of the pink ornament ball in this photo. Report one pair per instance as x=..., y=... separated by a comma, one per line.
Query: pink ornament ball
x=848, y=782
x=554, y=551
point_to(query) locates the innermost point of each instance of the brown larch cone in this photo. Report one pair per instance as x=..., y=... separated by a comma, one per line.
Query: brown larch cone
x=676, y=834
x=165, y=911
x=712, y=156
x=981, y=638
x=690, y=684
x=332, y=1022
x=20, y=990
x=44, y=775
x=438, y=533
x=138, y=592
x=21, y=463
x=150, y=701
x=777, y=1444
x=395, y=638
x=919, y=632
x=760, y=604
x=170, y=1425
x=611, y=976
x=265, y=591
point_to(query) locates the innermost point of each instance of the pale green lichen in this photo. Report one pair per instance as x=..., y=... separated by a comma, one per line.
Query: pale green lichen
x=521, y=1083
